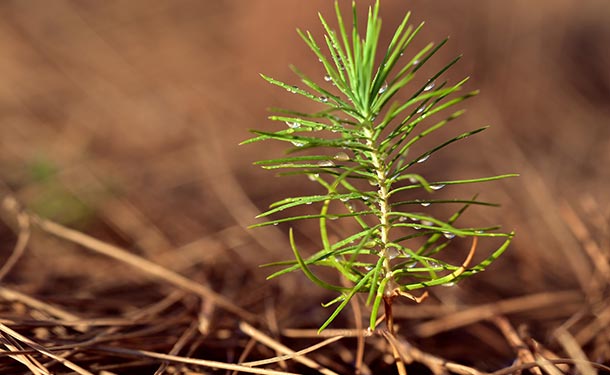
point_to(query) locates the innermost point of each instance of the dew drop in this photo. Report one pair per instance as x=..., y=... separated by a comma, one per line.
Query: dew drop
x=416, y=63
x=326, y=163
x=275, y=224
x=392, y=253
x=434, y=264
x=420, y=109
x=308, y=203
x=341, y=156
x=297, y=143
x=429, y=86
x=313, y=176
x=292, y=125
x=365, y=198
x=293, y=89
x=402, y=219
x=416, y=227
x=425, y=204
x=383, y=88
x=332, y=217
x=328, y=78
x=413, y=180
x=448, y=285
x=448, y=235
x=437, y=187
x=427, y=223
x=344, y=199
x=369, y=268
x=323, y=99
x=423, y=158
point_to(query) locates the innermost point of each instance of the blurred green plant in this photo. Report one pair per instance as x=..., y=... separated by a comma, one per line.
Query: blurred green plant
x=357, y=151
x=53, y=201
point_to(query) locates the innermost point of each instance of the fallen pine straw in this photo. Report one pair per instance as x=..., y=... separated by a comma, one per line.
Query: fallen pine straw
x=171, y=333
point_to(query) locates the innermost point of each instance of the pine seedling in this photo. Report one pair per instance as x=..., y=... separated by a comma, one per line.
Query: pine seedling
x=357, y=149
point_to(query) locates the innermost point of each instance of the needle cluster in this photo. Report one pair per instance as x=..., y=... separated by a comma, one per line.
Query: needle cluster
x=356, y=148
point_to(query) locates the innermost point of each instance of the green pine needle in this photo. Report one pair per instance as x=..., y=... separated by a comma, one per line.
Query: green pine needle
x=358, y=144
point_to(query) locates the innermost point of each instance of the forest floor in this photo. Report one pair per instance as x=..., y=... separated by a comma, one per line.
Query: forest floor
x=125, y=200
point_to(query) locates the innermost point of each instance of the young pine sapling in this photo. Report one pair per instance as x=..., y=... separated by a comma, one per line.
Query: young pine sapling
x=357, y=149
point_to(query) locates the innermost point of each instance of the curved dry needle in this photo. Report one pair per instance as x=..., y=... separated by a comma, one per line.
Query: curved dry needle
x=454, y=275
x=412, y=297
x=473, y=249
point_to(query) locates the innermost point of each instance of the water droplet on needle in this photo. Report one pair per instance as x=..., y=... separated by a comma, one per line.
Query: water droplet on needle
x=383, y=88
x=326, y=163
x=448, y=235
x=423, y=158
x=341, y=156
x=392, y=252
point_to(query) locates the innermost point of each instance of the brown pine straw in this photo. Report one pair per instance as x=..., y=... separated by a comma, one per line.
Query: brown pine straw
x=599, y=259
x=572, y=348
x=410, y=353
x=566, y=361
x=186, y=336
x=192, y=361
x=450, y=319
x=27, y=360
x=152, y=269
x=66, y=318
x=41, y=349
x=524, y=354
x=273, y=344
x=471, y=315
x=294, y=355
x=328, y=332
x=23, y=223
x=273, y=326
x=359, y=362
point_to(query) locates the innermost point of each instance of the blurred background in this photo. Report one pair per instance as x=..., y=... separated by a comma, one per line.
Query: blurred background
x=122, y=119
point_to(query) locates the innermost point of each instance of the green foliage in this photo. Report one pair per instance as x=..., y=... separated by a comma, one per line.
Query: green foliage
x=53, y=201
x=356, y=149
